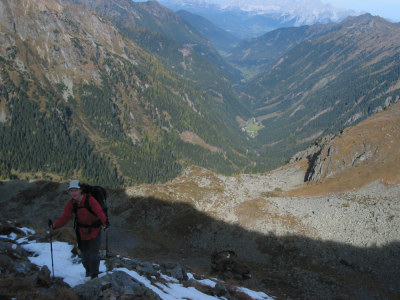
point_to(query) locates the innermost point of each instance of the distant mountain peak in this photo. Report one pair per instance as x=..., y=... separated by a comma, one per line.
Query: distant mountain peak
x=304, y=12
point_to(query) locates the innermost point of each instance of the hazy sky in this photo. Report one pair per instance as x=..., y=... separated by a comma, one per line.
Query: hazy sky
x=389, y=9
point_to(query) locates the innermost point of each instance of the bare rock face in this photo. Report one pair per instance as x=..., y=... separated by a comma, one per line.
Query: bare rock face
x=314, y=156
x=371, y=147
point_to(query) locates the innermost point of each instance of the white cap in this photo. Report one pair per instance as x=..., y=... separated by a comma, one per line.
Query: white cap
x=74, y=184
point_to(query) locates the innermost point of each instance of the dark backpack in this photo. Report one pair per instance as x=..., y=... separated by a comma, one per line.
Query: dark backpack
x=98, y=193
x=227, y=264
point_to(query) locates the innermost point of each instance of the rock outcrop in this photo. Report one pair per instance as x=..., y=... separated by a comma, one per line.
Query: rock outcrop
x=370, y=149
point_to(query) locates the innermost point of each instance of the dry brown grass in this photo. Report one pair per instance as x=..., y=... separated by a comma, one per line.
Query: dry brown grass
x=252, y=209
x=260, y=208
x=10, y=287
x=19, y=287
x=65, y=294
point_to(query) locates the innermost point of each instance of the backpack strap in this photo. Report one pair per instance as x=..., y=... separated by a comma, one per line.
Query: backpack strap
x=87, y=205
x=76, y=226
x=75, y=208
x=96, y=223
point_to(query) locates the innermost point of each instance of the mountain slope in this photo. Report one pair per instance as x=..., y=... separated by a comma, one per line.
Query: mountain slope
x=253, y=56
x=154, y=17
x=328, y=83
x=221, y=39
x=80, y=99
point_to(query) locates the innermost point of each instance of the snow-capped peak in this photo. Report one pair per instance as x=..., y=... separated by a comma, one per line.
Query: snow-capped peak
x=305, y=11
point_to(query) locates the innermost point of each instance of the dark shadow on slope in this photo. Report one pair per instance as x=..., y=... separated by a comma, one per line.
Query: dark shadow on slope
x=312, y=158
x=289, y=267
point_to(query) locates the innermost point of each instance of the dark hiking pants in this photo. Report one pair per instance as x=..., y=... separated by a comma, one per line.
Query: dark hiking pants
x=90, y=255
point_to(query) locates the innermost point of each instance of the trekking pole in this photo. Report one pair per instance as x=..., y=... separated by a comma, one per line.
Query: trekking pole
x=51, y=246
x=107, y=221
x=107, y=255
x=107, y=242
x=107, y=229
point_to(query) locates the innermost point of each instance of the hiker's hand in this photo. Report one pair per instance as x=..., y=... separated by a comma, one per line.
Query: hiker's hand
x=107, y=226
x=50, y=225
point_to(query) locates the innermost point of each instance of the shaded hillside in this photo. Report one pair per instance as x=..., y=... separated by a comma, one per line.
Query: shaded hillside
x=327, y=83
x=290, y=265
x=29, y=273
x=80, y=99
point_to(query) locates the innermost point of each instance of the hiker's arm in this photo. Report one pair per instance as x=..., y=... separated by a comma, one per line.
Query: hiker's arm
x=66, y=216
x=97, y=210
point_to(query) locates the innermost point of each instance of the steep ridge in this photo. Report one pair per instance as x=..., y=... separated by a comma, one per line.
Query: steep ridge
x=327, y=83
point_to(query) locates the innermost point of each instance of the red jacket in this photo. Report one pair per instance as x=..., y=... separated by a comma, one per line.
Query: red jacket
x=84, y=216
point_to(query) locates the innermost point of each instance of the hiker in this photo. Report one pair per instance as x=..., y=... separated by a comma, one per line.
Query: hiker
x=88, y=223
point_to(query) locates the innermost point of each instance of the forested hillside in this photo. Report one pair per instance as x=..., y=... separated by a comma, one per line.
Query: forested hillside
x=80, y=99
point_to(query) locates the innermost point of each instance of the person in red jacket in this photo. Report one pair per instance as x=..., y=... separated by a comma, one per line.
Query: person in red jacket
x=87, y=225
